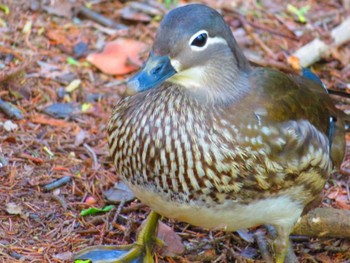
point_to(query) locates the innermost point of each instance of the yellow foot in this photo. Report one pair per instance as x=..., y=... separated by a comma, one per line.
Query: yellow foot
x=281, y=243
x=139, y=252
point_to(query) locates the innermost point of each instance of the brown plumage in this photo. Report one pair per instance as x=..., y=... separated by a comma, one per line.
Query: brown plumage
x=217, y=143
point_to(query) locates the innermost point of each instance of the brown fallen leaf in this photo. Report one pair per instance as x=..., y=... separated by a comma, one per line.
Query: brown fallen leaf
x=35, y=160
x=41, y=119
x=80, y=137
x=172, y=241
x=294, y=62
x=118, y=57
x=128, y=13
x=13, y=209
x=119, y=193
x=58, y=37
x=342, y=201
x=61, y=8
x=333, y=194
x=65, y=256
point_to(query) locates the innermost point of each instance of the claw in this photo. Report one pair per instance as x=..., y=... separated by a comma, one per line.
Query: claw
x=139, y=252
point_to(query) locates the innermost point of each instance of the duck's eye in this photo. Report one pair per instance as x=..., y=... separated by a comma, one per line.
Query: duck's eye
x=200, y=40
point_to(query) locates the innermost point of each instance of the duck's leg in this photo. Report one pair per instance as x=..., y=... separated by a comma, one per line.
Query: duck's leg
x=138, y=252
x=281, y=243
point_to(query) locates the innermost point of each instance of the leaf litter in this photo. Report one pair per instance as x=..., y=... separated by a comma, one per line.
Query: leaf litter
x=43, y=61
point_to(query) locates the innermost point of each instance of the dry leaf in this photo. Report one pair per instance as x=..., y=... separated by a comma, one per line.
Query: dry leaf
x=119, y=57
x=80, y=137
x=65, y=256
x=294, y=62
x=119, y=193
x=13, y=209
x=172, y=241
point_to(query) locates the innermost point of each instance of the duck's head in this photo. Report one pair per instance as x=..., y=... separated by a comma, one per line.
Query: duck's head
x=195, y=49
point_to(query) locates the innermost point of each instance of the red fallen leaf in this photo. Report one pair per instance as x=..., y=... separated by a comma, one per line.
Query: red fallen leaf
x=58, y=37
x=60, y=169
x=333, y=194
x=38, y=118
x=35, y=160
x=172, y=242
x=342, y=201
x=118, y=57
x=323, y=257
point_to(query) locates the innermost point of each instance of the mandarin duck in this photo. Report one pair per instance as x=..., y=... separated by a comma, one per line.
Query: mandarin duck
x=209, y=140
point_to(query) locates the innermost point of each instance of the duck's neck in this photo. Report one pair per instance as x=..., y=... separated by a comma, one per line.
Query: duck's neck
x=217, y=83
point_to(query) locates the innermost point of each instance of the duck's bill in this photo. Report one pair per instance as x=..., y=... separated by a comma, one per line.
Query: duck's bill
x=156, y=70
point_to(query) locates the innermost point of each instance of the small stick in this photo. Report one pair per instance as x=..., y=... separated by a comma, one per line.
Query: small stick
x=133, y=208
x=88, y=13
x=116, y=215
x=10, y=110
x=257, y=39
x=56, y=184
x=60, y=200
x=324, y=222
x=271, y=31
x=93, y=154
x=314, y=50
x=271, y=63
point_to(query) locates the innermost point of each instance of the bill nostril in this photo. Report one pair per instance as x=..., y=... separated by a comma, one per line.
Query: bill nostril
x=157, y=70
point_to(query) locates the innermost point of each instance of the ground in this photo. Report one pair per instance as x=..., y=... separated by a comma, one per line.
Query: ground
x=43, y=61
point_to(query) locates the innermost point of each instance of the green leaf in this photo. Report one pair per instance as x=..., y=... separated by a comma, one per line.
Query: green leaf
x=72, y=61
x=82, y=261
x=304, y=9
x=300, y=13
x=5, y=9
x=73, y=85
x=94, y=210
x=41, y=31
x=48, y=151
x=170, y=3
x=86, y=106
x=27, y=27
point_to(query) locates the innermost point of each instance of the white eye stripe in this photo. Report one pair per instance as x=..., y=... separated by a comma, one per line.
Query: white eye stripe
x=196, y=35
x=210, y=41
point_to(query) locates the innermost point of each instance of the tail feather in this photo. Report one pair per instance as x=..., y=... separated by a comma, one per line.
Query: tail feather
x=306, y=73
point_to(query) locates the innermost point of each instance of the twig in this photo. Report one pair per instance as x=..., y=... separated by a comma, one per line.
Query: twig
x=316, y=49
x=257, y=39
x=95, y=165
x=259, y=26
x=56, y=184
x=341, y=249
x=270, y=30
x=128, y=229
x=10, y=110
x=98, y=219
x=35, y=160
x=348, y=189
x=133, y=208
x=116, y=214
x=60, y=200
x=88, y=13
x=16, y=53
x=324, y=222
x=271, y=63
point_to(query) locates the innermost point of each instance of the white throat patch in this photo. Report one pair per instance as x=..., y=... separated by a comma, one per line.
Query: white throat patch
x=191, y=78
